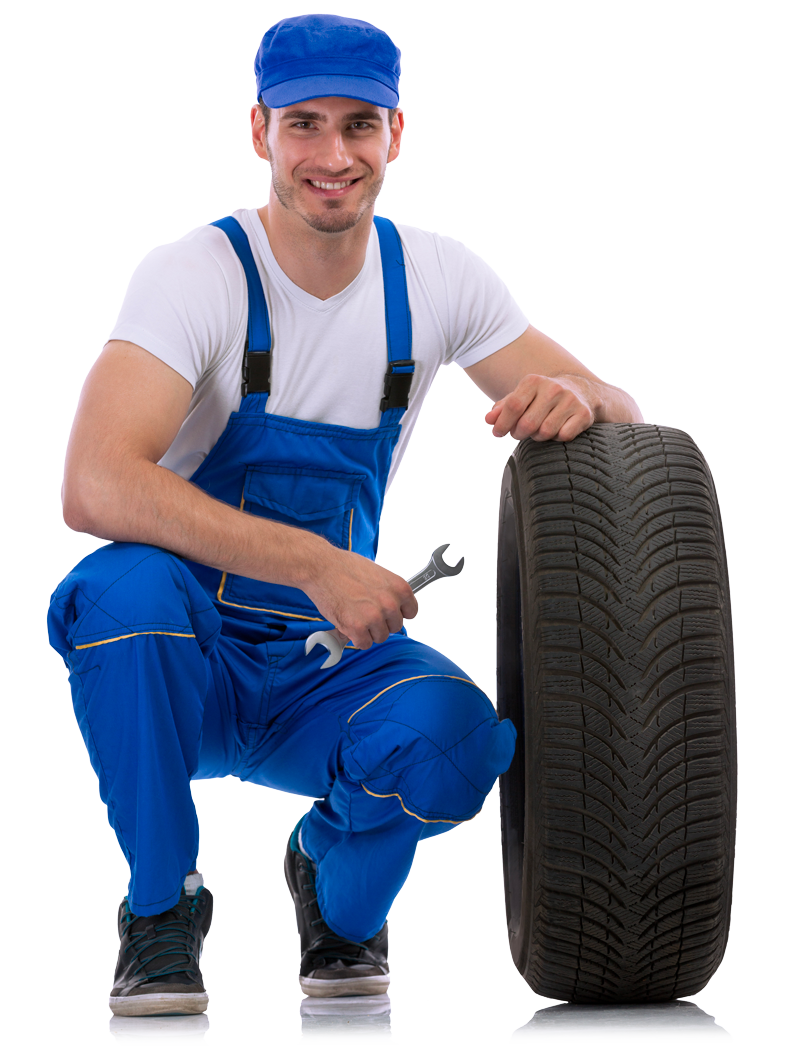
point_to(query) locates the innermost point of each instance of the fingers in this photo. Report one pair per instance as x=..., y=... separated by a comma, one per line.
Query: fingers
x=563, y=423
x=523, y=412
x=375, y=632
x=508, y=411
x=573, y=426
x=541, y=408
x=373, y=618
x=408, y=602
x=364, y=601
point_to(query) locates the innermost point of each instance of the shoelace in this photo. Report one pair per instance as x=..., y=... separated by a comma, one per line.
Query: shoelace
x=176, y=934
x=329, y=946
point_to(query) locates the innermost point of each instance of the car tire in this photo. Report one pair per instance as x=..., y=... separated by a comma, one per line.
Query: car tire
x=615, y=663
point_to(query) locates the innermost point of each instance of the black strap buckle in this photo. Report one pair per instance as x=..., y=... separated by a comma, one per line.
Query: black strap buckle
x=396, y=386
x=256, y=372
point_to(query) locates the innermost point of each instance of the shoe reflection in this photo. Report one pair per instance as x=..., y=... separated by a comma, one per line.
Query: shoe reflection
x=184, y=1025
x=636, y=1016
x=348, y=1013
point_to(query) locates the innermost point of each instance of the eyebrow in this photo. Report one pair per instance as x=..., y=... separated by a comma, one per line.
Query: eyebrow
x=364, y=115
x=312, y=115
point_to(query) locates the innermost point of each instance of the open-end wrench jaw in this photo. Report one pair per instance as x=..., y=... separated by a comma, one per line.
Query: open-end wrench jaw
x=327, y=640
x=441, y=566
x=436, y=568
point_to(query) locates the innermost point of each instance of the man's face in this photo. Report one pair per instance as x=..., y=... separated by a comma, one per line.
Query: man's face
x=328, y=157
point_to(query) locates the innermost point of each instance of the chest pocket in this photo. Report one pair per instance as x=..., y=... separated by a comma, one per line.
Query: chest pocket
x=322, y=501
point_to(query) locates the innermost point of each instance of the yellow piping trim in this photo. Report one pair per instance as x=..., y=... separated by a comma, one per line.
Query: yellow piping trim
x=143, y=633
x=350, y=539
x=246, y=607
x=221, y=587
x=271, y=611
x=419, y=677
x=410, y=813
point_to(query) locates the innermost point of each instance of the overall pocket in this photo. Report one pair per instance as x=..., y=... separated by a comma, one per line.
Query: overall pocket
x=315, y=499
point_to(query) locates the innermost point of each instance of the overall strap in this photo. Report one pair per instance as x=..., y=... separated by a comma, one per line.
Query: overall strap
x=257, y=364
x=397, y=383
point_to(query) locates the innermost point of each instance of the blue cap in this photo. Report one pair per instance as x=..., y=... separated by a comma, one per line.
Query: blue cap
x=313, y=56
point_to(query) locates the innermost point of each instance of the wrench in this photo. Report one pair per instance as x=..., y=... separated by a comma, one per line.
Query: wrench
x=436, y=568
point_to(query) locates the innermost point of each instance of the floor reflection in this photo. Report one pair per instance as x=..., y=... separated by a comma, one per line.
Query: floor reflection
x=188, y=1026
x=656, y=1017
x=354, y=1013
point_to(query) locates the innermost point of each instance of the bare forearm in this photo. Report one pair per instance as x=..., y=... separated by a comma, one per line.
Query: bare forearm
x=153, y=505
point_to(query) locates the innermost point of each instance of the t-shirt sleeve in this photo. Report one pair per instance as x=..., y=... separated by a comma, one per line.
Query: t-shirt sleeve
x=178, y=307
x=482, y=316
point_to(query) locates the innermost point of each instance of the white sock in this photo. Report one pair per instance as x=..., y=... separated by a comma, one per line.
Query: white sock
x=300, y=843
x=192, y=883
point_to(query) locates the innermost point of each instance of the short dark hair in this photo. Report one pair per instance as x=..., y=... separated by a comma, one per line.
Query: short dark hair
x=265, y=112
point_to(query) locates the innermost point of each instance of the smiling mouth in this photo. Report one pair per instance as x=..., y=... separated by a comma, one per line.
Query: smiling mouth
x=332, y=186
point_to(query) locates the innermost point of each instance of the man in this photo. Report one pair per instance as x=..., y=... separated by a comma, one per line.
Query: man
x=234, y=440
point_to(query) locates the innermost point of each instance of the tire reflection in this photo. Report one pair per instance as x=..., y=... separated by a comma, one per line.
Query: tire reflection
x=657, y=1017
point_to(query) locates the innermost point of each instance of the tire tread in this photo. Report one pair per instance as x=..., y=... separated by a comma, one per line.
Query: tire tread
x=629, y=738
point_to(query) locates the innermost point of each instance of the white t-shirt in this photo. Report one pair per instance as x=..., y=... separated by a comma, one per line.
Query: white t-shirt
x=187, y=305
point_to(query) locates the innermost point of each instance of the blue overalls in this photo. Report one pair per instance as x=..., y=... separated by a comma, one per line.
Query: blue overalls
x=181, y=672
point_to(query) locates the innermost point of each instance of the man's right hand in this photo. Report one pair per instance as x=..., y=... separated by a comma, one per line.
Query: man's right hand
x=364, y=601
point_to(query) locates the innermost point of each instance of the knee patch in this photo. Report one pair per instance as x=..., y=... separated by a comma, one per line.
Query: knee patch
x=434, y=742
x=126, y=589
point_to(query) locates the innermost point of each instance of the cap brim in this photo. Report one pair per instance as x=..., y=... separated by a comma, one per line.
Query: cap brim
x=322, y=86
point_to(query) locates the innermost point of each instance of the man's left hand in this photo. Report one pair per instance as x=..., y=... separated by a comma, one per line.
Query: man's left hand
x=543, y=408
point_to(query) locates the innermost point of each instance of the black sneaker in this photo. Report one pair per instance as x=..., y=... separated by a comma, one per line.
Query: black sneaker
x=157, y=969
x=331, y=965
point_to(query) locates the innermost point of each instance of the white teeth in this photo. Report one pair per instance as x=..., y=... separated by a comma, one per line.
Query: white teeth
x=331, y=186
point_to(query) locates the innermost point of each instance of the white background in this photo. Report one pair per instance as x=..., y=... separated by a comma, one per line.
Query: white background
x=631, y=171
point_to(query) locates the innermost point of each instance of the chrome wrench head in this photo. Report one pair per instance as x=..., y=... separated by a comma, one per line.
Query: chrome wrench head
x=327, y=640
x=444, y=569
x=436, y=568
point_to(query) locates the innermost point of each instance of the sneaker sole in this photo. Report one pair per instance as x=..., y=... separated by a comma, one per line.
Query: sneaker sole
x=357, y=986
x=158, y=1003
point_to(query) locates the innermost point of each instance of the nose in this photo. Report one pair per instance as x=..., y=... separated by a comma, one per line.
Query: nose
x=332, y=153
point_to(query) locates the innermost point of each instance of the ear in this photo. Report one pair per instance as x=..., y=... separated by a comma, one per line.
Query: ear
x=397, y=133
x=259, y=132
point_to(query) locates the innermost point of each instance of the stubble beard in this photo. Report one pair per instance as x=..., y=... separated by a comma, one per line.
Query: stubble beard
x=337, y=217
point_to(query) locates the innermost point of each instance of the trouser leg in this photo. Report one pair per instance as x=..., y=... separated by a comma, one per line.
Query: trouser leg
x=135, y=631
x=361, y=868
x=399, y=745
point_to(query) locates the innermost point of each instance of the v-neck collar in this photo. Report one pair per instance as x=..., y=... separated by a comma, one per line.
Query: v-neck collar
x=276, y=273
